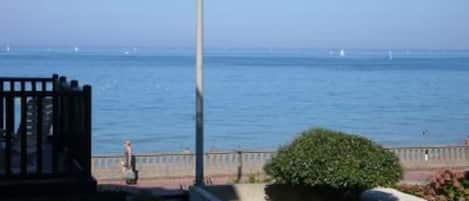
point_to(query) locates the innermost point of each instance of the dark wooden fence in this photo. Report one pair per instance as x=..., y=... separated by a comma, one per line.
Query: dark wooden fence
x=45, y=128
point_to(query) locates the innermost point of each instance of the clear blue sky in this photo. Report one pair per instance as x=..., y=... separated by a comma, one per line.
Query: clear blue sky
x=428, y=24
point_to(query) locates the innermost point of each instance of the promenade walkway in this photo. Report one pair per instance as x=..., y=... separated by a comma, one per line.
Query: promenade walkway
x=175, y=189
x=170, y=174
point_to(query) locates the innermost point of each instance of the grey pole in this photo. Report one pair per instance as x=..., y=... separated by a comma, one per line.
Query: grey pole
x=199, y=127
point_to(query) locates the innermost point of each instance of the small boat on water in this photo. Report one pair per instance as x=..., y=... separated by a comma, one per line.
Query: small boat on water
x=342, y=52
x=76, y=49
x=7, y=48
x=390, y=55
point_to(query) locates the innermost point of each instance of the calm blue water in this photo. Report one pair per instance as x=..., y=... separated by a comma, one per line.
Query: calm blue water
x=262, y=98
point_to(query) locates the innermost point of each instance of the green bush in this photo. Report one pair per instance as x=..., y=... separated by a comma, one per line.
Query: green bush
x=330, y=159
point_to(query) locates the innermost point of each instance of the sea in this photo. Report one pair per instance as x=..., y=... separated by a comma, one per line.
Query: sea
x=261, y=98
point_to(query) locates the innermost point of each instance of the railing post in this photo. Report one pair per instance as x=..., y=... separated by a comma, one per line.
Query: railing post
x=39, y=133
x=2, y=128
x=73, y=122
x=55, y=77
x=74, y=84
x=239, y=173
x=55, y=119
x=23, y=148
x=1, y=108
x=466, y=153
x=9, y=124
x=87, y=129
x=62, y=141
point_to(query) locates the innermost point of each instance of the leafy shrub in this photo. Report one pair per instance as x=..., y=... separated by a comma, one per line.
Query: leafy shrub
x=257, y=177
x=330, y=159
x=252, y=178
x=445, y=185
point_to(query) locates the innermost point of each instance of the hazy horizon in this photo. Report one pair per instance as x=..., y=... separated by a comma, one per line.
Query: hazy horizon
x=296, y=24
x=117, y=47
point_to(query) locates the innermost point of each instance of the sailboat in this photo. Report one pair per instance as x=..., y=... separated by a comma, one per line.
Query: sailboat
x=7, y=48
x=76, y=49
x=342, y=52
x=390, y=55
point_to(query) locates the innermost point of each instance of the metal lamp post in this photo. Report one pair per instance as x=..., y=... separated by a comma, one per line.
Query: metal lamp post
x=199, y=124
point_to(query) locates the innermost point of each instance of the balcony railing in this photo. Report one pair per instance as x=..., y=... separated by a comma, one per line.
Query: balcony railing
x=45, y=127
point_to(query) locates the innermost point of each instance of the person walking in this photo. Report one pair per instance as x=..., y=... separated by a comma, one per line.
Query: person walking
x=128, y=168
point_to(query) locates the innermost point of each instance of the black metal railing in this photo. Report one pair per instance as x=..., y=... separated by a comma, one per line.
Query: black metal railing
x=45, y=127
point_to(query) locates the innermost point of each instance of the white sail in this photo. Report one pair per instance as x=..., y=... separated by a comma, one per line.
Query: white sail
x=76, y=49
x=7, y=48
x=342, y=52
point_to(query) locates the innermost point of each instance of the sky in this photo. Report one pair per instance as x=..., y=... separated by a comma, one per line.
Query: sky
x=381, y=24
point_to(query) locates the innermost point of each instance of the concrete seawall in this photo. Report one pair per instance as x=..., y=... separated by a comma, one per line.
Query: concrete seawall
x=238, y=164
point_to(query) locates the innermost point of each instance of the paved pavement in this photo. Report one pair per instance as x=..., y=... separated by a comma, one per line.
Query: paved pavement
x=177, y=187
